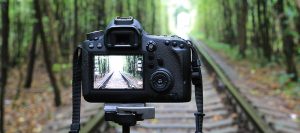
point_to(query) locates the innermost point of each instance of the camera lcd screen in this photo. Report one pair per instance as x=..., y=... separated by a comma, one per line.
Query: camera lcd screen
x=118, y=72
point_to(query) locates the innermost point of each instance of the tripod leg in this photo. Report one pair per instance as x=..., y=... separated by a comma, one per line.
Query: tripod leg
x=126, y=129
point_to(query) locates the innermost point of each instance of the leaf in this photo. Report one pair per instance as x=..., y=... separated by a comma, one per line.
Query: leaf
x=290, y=12
x=284, y=78
x=56, y=67
x=294, y=33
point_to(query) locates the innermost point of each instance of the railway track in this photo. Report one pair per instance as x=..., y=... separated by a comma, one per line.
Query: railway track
x=103, y=82
x=258, y=113
x=228, y=106
x=179, y=117
x=128, y=81
x=115, y=80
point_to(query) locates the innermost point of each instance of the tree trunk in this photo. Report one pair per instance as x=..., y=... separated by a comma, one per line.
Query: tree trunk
x=138, y=10
x=228, y=29
x=288, y=43
x=258, y=29
x=75, y=24
x=30, y=66
x=101, y=15
x=266, y=35
x=254, y=39
x=59, y=16
x=4, y=59
x=242, y=6
x=153, y=6
x=263, y=29
x=57, y=98
x=120, y=8
x=129, y=8
x=298, y=20
x=16, y=43
x=56, y=53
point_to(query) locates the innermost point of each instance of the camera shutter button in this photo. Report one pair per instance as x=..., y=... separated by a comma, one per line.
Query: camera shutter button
x=151, y=46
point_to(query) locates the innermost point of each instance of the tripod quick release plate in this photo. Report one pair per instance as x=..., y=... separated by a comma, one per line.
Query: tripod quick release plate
x=128, y=114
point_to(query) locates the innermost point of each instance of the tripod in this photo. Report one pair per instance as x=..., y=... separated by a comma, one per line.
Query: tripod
x=128, y=114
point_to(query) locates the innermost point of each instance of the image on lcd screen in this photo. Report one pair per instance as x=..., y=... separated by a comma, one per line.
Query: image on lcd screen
x=118, y=72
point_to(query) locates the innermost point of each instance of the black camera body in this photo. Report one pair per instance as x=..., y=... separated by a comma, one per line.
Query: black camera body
x=124, y=64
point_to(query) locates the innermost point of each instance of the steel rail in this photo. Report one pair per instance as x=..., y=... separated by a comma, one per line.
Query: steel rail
x=129, y=82
x=103, y=84
x=251, y=113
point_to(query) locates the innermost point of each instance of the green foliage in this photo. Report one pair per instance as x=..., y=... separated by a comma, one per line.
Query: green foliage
x=101, y=65
x=217, y=19
x=291, y=89
x=223, y=48
x=284, y=78
x=58, y=18
x=131, y=66
x=210, y=18
x=57, y=67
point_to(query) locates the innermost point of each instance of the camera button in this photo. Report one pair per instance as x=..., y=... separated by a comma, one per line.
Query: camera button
x=174, y=44
x=151, y=46
x=94, y=35
x=99, y=45
x=160, y=81
x=181, y=45
x=167, y=42
x=91, y=45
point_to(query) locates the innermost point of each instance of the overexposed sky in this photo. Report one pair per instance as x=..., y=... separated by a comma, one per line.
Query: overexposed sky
x=116, y=63
x=185, y=20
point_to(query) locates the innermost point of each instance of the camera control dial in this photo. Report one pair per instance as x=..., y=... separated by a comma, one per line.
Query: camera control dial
x=94, y=35
x=151, y=46
x=160, y=81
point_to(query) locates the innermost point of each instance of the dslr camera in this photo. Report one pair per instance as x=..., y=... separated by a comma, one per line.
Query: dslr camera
x=124, y=64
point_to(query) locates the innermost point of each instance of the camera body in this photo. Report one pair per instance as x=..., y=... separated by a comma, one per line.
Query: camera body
x=124, y=64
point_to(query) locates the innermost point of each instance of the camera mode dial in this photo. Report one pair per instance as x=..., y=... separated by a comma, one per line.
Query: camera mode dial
x=160, y=81
x=94, y=35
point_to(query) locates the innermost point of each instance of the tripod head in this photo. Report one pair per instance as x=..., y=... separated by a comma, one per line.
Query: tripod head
x=128, y=114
